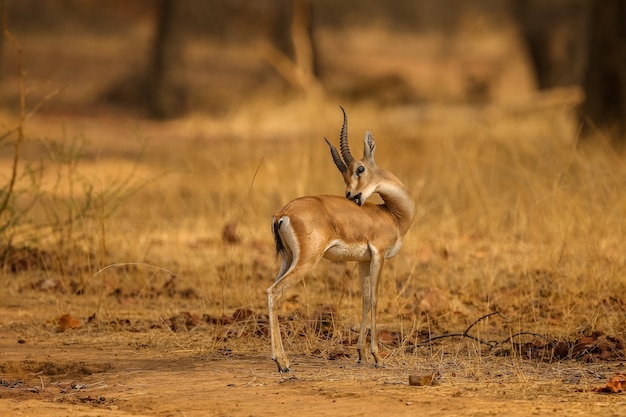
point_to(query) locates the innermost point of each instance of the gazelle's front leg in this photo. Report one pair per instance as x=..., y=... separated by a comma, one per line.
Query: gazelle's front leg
x=376, y=266
x=369, y=272
x=364, y=274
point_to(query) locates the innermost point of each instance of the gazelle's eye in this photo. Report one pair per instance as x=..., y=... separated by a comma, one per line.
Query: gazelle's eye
x=360, y=170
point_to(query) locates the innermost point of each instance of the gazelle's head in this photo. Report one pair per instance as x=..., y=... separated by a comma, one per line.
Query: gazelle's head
x=360, y=176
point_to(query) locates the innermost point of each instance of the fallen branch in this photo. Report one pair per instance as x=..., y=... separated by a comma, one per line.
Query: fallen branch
x=490, y=343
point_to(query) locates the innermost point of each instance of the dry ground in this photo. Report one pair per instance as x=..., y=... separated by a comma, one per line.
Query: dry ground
x=97, y=372
x=151, y=301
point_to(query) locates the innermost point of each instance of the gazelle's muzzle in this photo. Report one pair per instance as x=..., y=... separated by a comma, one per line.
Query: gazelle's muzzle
x=357, y=198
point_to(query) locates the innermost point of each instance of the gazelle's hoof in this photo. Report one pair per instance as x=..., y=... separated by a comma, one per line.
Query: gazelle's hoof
x=378, y=364
x=282, y=366
x=361, y=358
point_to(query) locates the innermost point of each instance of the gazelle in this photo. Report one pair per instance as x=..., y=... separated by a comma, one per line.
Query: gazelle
x=341, y=229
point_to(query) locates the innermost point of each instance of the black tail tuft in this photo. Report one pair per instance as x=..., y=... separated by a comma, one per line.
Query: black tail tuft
x=280, y=246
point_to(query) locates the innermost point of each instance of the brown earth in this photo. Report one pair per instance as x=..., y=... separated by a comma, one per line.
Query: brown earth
x=156, y=384
x=90, y=371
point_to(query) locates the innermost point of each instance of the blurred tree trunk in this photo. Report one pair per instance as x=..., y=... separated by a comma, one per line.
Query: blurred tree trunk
x=305, y=48
x=581, y=42
x=166, y=95
x=280, y=35
x=159, y=90
x=555, y=34
x=293, y=51
x=605, y=76
x=3, y=27
x=1, y=49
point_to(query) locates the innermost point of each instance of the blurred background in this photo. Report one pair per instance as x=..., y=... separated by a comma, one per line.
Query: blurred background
x=164, y=59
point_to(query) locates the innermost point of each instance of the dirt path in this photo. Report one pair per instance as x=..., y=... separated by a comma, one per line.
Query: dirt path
x=111, y=380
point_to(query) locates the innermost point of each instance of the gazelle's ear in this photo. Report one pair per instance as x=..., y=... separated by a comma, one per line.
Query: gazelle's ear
x=370, y=146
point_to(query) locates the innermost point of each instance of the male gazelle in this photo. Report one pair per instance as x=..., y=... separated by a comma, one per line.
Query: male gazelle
x=341, y=229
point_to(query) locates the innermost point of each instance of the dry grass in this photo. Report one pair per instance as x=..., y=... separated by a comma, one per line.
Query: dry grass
x=511, y=215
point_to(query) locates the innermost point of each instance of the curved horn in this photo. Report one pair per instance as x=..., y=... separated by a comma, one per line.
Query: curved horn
x=343, y=140
x=338, y=162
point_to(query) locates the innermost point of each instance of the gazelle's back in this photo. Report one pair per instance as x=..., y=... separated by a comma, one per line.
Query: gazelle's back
x=334, y=219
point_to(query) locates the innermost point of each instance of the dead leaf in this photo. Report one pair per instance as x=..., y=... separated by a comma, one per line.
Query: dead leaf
x=230, y=233
x=184, y=321
x=615, y=385
x=390, y=338
x=339, y=353
x=436, y=302
x=421, y=380
x=66, y=321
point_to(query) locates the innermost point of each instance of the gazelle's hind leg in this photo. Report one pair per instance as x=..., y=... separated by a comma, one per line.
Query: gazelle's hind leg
x=276, y=290
x=297, y=261
x=274, y=293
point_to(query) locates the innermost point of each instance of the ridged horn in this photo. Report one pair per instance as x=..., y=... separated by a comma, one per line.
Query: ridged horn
x=336, y=158
x=343, y=140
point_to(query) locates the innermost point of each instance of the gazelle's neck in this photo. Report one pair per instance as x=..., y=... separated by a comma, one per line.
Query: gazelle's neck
x=397, y=201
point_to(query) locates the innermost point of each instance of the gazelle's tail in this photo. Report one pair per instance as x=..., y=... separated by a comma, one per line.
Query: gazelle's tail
x=280, y=246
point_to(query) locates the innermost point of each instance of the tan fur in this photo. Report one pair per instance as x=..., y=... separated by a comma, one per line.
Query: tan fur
x=343, y=229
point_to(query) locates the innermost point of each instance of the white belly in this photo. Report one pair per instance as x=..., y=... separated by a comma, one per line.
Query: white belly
x=341, y=251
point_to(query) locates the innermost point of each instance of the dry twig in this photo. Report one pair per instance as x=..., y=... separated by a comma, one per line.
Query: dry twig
x=466, y=334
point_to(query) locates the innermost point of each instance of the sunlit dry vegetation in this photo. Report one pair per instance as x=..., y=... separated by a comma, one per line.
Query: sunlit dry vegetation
x=157, y=234
x=512, y=216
